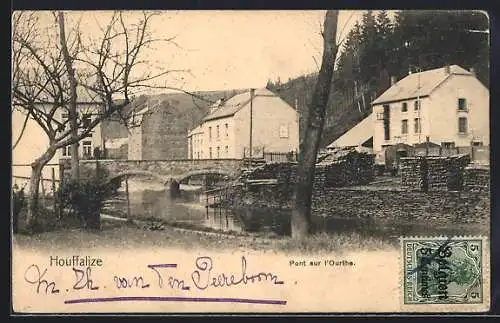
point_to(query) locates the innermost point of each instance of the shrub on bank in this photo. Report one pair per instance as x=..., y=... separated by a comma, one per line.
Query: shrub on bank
x=84, y=199
x=19, y=203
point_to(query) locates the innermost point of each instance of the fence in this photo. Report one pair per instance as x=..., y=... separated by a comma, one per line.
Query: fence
x=477, y=154
x=49, y=180
x=48, y=185
x=280, y=157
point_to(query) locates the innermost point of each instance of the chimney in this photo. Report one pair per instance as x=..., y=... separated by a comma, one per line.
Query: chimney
x=393, y=80
x=473, y=72
x=447, y=69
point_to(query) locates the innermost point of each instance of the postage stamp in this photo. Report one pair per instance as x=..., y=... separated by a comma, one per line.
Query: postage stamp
x=443, y=270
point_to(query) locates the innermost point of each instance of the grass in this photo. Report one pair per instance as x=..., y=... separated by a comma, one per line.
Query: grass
x=130, y=235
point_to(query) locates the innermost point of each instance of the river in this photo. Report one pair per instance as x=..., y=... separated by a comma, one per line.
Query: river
x=150, y=201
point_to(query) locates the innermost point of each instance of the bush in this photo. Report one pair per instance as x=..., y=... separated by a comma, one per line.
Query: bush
x=19, y=203
x=85, y=199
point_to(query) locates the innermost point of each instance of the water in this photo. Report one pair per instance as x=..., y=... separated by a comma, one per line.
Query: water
x=152, y=202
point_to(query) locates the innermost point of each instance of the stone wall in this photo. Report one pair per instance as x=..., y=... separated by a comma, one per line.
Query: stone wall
x=439, y=207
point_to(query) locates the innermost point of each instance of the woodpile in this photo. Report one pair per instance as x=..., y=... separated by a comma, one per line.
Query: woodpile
x=412, y=173
x=433, y=173
x=477, y=178
x=336, y=169
x=345, y=167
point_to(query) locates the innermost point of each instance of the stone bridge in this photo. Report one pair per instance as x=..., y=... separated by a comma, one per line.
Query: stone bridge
x=166, y=170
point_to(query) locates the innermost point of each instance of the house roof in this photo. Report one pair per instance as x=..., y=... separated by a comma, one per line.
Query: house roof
x=357, y=135
x=408, y=87
x=236, y=103
x=195, y=131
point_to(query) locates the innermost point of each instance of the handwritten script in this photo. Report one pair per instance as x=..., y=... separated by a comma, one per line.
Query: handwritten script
x=163, y=276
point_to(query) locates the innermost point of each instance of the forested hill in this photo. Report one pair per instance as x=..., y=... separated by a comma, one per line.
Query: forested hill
x=378, y=48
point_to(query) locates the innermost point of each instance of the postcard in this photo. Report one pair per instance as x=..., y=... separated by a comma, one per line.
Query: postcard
x=218, y=161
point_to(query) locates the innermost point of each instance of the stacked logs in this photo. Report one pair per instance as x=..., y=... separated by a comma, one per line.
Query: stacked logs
x=433, y=173
x=477, y=178
x=345, y=168
x=412, y=173
x=438, y=173
x=456, y=168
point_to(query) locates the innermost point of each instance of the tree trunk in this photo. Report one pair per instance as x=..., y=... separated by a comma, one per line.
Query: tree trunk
x=36, y=174
x=73, y=113
x=32, y=211
x=301, y=215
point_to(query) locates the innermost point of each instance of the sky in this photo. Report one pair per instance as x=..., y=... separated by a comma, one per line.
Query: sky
x=221, y=49
x=227, y=49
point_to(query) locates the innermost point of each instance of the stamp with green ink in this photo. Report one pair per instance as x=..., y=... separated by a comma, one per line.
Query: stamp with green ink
x=442, y=270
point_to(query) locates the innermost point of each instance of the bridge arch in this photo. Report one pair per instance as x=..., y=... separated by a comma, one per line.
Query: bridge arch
x=204, y=172
x=138, y=172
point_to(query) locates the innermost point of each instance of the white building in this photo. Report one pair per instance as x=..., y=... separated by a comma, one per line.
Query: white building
x=225, y=131
x=87, y=112
x=448, y=105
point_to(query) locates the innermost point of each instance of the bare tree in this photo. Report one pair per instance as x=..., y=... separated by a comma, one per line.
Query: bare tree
x=45, y=80
x=301, y=215
x=72, y=106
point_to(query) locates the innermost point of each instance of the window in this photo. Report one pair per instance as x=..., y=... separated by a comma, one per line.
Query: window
x=210, y=152
x=218, y=152
x=64, y=121
x=210, y=133
x=66, y=151
x=227, y=130
x=416, y=105
x=86, y=121
x=387, y=132
x=462, y=104
x=198, y=155
x=283, y=131
x=227, y=151
x=477, y=144
x=217, y=131
x=87, y=148
x=404, y=107
x=462, y=125
x=448, y=145
x=417, y=125
x=404, y=126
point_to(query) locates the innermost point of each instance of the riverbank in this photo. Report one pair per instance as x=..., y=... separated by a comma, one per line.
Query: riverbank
x=132, y=235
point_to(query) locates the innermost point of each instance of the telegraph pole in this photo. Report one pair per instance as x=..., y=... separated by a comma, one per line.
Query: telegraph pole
x=252, y=92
